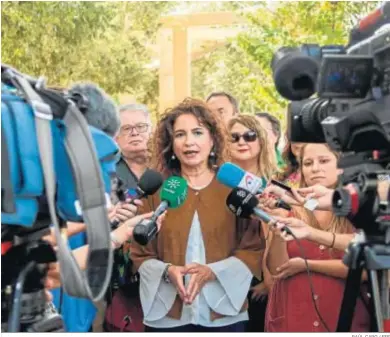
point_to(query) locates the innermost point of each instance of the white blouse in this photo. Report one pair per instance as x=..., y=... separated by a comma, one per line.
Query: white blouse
x=225, y=295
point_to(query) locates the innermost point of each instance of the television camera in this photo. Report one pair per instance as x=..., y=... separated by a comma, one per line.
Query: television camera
x=56, y=167
x=351, y=113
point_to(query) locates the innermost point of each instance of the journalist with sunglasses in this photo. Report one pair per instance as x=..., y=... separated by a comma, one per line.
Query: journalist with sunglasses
x=250, y=150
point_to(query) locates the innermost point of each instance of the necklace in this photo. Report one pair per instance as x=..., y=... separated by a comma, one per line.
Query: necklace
x=198, y=188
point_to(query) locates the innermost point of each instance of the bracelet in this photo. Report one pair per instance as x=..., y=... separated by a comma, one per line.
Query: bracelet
x=333, y=240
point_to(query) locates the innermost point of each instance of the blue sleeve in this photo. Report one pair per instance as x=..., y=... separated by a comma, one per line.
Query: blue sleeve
x=78, y=313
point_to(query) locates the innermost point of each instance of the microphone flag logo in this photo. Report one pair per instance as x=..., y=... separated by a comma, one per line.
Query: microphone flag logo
x=173, y=183
x=174, y=191
x=251, y=183
x=241, y=193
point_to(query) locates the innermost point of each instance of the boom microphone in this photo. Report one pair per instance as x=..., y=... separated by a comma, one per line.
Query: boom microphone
x=97, y=107
x=173, y=194
x=148, y=184
x=233, y=176
x=244, y=204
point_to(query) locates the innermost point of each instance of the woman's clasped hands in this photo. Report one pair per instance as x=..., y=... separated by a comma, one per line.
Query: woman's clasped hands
x=200, y=275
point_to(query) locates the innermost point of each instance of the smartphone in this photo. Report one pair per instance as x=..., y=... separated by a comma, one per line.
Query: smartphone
x=281, y=185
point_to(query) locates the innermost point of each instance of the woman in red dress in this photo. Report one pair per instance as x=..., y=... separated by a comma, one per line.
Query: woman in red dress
x=291, y=304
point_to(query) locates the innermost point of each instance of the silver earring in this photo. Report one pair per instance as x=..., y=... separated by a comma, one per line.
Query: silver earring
x=173, y=157
x=212, y=154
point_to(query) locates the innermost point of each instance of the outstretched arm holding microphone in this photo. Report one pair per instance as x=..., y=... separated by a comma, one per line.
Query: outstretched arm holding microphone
x=119, y=236
x=302, y=230
x=121, y=212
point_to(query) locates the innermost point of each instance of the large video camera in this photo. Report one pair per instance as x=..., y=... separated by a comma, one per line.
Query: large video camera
x=352, y=114
x=351, y=111
x=56, y=168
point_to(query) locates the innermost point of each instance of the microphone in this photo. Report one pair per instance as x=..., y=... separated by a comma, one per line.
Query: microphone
x=148, y=184
x=244, y=204
x=98, y=108
x=234, y=176
x=173, y=194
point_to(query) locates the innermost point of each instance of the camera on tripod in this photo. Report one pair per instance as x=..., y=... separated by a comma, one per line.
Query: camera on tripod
x=351, y=113
x=352, y=109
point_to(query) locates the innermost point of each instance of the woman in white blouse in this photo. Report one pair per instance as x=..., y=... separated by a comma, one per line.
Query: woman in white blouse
x=195, y=276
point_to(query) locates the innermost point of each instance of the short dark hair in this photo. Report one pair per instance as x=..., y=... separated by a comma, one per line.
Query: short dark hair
x=274, y=122
x=230, y=97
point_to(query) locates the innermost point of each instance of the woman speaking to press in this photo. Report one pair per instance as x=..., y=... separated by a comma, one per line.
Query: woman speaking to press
x=196, y=274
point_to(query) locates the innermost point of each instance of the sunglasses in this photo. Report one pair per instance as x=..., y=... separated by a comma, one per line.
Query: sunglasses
x=249, y=136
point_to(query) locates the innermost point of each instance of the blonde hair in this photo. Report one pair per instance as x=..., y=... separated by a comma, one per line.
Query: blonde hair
x=340, y=225
x=266, y=163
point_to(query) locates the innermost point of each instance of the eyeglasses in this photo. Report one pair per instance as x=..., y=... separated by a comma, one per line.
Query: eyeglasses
x=128, y=129
x=249, y=136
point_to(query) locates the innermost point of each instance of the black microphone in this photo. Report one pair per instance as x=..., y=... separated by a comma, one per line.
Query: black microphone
x=98, y=108
x=282, y=204
x=244, y=204
x=148, y=184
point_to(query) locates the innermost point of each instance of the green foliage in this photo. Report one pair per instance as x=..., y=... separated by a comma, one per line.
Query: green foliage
x=242, y=66
x=110, y=43
x=292, y=24
x=229, y=68
x=103, y=42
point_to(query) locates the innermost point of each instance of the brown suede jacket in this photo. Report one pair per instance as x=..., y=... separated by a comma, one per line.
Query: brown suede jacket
x=223, y=234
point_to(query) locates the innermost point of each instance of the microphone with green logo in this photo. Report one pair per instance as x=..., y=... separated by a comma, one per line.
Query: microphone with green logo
x=173, y=194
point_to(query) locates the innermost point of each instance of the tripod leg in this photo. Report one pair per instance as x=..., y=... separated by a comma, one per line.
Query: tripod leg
x=386, y=312
x=386, y=294
x=377, y=299
x=351, y=292
x=385, y=300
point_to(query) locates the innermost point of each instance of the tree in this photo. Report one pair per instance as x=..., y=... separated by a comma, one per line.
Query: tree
x=228, y=68
x=103, y=42
x=293, y=24
x=109, y=43
x=242, y=66
x=44, y=38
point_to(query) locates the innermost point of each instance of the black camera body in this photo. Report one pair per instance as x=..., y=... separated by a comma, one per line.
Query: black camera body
x=351, y=112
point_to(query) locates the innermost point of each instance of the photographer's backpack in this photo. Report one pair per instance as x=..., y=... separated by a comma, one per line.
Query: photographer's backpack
x=52, y=160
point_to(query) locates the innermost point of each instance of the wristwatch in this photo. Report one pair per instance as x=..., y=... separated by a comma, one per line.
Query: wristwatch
x=165, y=274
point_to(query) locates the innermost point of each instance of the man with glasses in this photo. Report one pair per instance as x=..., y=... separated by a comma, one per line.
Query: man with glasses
x=132, y=139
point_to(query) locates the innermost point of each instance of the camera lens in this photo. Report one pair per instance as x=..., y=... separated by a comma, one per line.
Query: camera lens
x=304, y=120
x=345, y=200
x=294, y=73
